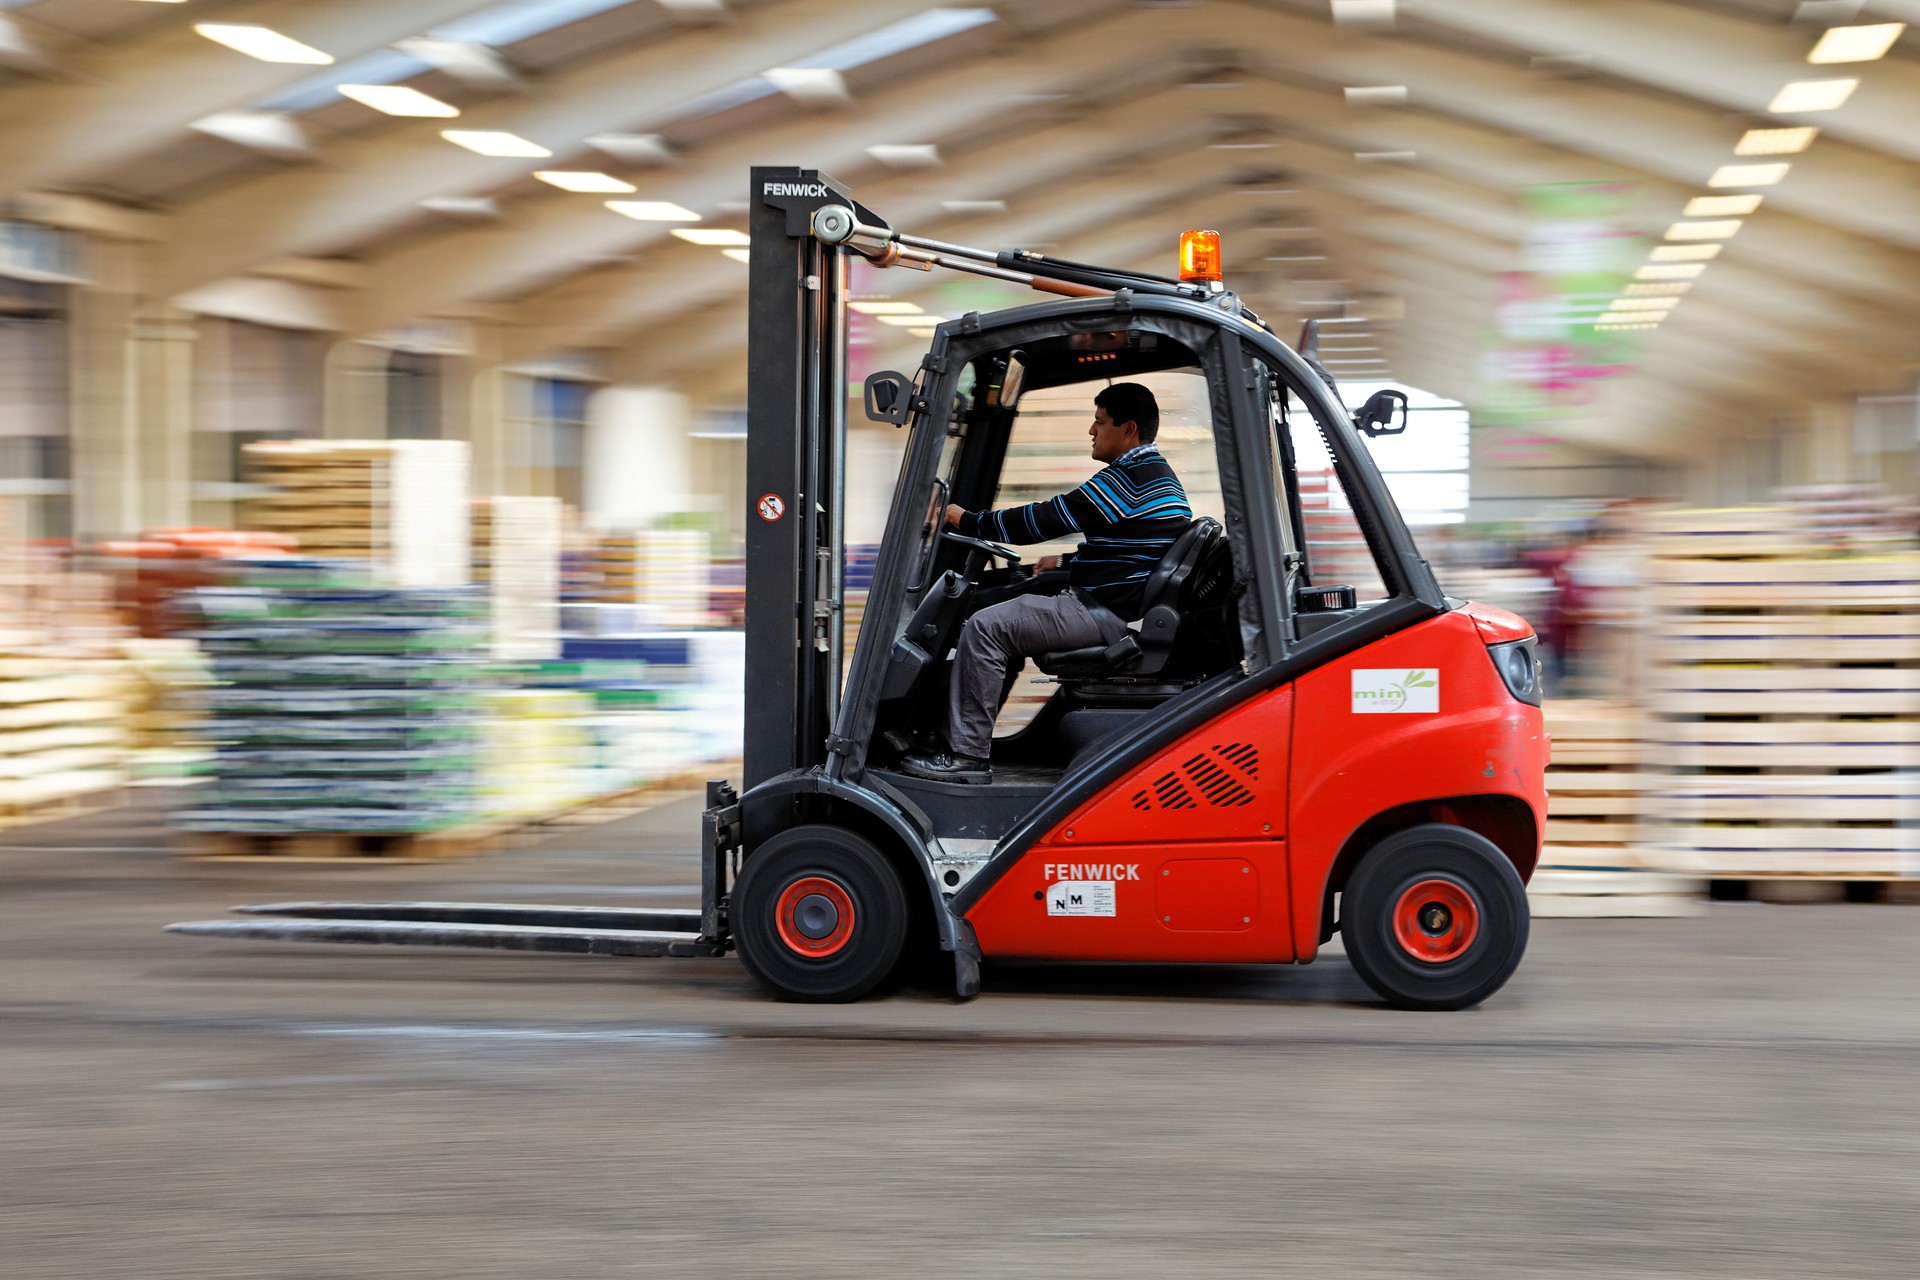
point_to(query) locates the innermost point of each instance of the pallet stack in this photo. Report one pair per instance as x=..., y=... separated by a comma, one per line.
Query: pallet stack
x=64, y=688
x=1592, y=863
x=62, y=727
x=662, y=571
x=1785, y=698
x=345, y=717
x=399, y=505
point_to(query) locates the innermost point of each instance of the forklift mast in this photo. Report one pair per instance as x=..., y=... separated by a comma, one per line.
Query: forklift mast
x=796, y=471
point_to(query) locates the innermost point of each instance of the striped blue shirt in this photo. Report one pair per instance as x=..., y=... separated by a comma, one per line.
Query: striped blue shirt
x=1128, y=514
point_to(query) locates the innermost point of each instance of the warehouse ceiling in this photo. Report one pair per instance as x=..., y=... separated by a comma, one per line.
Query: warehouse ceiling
x=1368, y=161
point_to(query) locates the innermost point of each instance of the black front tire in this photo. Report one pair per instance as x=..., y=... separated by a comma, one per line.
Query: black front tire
x=1404, y=917
x=818, y=915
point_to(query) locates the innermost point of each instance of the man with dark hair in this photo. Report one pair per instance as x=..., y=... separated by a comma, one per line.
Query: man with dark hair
x=1129, y=514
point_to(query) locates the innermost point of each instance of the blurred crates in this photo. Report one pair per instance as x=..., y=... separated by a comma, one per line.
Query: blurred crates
x=63, y=734
x=401, y=505
x=516, y=555
x=1592, y=863
x=1783, y=697
x=340, y=709
x=663, y=571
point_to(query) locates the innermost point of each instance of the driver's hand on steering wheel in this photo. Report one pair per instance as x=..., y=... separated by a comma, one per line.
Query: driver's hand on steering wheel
x=1046, y=564
x=953, y=515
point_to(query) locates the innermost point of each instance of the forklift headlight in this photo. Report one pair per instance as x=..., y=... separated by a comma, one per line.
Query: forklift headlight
x=1518, y=665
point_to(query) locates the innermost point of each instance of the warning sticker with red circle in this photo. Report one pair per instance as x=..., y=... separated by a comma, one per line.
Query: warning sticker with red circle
x=771, y=508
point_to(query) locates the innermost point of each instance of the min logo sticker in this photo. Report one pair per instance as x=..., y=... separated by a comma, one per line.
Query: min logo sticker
x=1396, y=690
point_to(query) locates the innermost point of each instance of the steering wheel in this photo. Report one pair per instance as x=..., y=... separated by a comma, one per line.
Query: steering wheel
x=981, y=544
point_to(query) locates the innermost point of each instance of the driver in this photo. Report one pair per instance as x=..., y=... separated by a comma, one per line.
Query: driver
x=1129, y=514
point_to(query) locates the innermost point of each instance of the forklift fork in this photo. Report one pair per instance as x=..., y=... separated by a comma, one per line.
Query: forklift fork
x=509, y=926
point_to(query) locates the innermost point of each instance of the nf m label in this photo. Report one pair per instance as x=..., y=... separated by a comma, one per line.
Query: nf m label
x=1080, y=898
x=1391, y=690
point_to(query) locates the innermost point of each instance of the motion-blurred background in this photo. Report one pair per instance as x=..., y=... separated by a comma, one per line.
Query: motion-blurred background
x=372, y=372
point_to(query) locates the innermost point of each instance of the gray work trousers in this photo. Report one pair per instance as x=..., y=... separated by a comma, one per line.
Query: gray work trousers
x=996, y=641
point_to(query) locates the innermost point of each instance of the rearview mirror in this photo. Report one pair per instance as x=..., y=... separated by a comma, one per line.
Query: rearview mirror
x=1384, y=414
x=889, y=397
x=1012, y=381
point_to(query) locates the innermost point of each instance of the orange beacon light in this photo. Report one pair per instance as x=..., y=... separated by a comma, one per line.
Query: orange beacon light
x=1200, y=256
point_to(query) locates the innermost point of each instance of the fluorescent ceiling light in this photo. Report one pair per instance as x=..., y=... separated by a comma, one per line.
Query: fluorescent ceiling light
x=267, y=131
x=1670, y=271
x=1812, y=95
x=475, y=207
x=911, y=322
x=738, y=255
x=1721, y=206
x=467, y=60
x=719, y=237
x=815, y=86
x=1775, y=142
x=1241, y=146
x=1363, y=12
x=1671, y=289
x=1719, y=229
x=580, y=180
x=906, y=155
x=634, y=148
x=1626, y=326
x=1857, y=44
x=261, y=42
x=652, y=211
x=923, y=333
x=886, y=308
x=494, y=142
x=974, y=206
x=1385, y=157
x=398, y=100
x=1643, y=304
x=1375, y=95
x=1685, y=252
x=1748, y=175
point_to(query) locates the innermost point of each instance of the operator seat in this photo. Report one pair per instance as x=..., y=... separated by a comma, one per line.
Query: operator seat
x=1166, y=602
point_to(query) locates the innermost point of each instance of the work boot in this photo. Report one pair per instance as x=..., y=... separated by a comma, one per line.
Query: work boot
x=944, y=766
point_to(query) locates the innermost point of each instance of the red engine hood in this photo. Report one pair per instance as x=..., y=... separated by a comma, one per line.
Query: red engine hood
x=1497, y=626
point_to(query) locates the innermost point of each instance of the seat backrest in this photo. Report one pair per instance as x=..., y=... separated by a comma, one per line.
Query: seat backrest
x=1166, y=581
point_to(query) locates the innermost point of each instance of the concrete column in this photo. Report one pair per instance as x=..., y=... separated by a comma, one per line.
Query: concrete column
x=162, y=412
x=356, y=392
x=1830, y=453
x=105, y=457
x=481, y=398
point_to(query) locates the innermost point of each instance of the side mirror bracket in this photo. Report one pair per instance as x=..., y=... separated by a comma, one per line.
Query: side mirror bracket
x=1384, y=414
x=889, y=397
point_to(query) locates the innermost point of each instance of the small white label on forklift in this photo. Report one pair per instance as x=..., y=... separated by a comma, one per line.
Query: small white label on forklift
x=1080, y=898
x=1404, y=690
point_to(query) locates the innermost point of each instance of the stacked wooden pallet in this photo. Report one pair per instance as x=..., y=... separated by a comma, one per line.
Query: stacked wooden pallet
x=334, y=497
x=63, y=686
x=62, y=736
x=1784, y=699
x=400, y=504
x=1592, y=863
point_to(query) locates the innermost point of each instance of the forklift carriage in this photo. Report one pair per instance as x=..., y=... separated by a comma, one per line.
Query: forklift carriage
x=1302, y=733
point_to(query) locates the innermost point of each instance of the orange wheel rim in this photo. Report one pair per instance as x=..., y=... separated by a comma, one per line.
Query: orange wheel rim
x=1436, y=920
x=814, y=916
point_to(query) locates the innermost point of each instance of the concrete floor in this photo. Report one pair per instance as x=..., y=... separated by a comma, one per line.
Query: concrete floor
x=1735, y=1095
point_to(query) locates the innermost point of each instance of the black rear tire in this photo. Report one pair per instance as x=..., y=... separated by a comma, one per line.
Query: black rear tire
x=1435, y=917
x=818, y=915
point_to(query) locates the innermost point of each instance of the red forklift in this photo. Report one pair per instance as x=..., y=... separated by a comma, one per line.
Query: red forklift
x=1303, y=733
